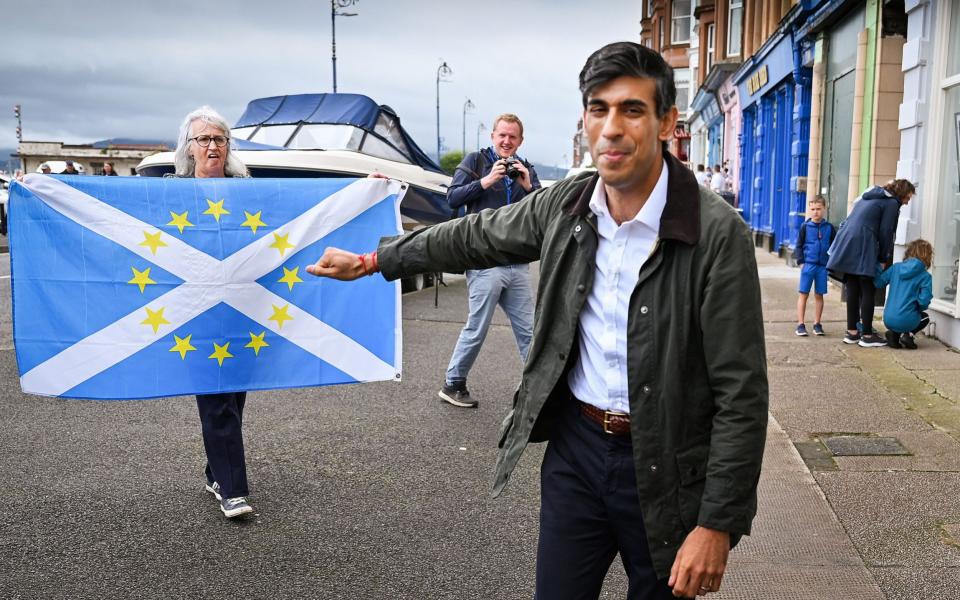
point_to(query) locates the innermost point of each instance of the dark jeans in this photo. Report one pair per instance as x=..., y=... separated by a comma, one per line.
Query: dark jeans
x=589, y=511
x=221, y=420
x=860, y=302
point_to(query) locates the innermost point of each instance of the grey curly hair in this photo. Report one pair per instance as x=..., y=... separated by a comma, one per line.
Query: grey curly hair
x=183, y=162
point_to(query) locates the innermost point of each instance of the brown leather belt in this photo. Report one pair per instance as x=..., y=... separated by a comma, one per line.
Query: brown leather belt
x=614, y=423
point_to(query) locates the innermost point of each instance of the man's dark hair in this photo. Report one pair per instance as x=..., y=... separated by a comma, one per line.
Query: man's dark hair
x=628, y=59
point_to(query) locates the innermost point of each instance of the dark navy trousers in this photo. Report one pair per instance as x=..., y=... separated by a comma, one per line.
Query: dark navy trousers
x=221, y=420
x=589, y=512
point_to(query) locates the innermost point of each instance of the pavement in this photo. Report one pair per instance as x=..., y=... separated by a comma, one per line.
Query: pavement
x=381, y=491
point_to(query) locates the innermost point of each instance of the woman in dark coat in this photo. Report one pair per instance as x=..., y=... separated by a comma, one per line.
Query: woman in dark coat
x=865, y=241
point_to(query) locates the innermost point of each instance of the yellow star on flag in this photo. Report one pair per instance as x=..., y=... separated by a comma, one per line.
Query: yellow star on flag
x=253, y=221
x=221, y=352
x=180, y=221
x=290, y=277
x=152, y=241
x=257, y=342
x=155, y=319
x=281, y=243
x=141, y=278
x=280, y=315
x=216, y=209
x=182, y=346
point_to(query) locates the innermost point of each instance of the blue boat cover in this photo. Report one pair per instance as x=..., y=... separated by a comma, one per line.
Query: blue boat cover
x=331, y=109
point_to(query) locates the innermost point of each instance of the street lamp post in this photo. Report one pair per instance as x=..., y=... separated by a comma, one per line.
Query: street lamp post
x=334, y=13
x=16, y=113
x=480, y=127
x=466, y=106
x=442, y=71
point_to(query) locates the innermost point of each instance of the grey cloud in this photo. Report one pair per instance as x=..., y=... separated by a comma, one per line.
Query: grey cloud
x=134, y=69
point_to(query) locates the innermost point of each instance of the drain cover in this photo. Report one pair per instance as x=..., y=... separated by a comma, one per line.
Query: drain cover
x=863, y=445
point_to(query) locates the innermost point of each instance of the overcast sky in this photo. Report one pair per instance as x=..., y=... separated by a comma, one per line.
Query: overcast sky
x=85, y=71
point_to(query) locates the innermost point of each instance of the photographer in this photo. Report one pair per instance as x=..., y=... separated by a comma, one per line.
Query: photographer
x=491, y=178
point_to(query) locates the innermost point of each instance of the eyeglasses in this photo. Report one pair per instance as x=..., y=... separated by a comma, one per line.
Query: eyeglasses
x=204, y=140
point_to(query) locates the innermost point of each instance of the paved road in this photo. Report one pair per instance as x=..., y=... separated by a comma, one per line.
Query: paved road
x=374, y=491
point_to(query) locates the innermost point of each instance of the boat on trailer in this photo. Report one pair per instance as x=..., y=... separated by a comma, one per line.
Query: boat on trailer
x=332, y=135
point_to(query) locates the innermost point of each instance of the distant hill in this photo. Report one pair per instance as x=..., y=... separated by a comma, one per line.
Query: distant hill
x=548, y=172
x=132, y=142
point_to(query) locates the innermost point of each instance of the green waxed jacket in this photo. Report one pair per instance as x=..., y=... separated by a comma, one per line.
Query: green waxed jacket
x=696, y=362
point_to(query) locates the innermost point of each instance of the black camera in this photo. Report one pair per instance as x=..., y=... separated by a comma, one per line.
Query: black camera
x=511, y=163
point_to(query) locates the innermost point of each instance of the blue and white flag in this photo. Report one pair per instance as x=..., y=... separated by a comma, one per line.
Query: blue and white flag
x=133, y=287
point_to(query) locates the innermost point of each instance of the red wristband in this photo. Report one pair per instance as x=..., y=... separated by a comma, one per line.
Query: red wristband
x=363, y=264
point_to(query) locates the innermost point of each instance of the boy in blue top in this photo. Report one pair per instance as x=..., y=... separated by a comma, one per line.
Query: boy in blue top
x=911, y=289
x=813, y=241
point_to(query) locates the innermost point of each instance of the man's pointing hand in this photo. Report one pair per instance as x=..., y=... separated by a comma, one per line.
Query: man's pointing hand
x=343, y=265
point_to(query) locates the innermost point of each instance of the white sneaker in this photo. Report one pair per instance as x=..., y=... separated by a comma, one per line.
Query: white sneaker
x=213, y=488
x=234, y=507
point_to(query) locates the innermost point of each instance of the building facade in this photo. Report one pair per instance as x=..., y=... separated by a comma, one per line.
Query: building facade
x=929, y=128
x=667, y=26
x=818, y=95
x=715, y=110
x=124, y=156
x=773, y=86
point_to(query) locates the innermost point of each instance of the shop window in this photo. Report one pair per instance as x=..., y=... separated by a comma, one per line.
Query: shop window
x=947, y=250
x=681, y=17
x=946, y=257
x=681, y=77
x=734, y=27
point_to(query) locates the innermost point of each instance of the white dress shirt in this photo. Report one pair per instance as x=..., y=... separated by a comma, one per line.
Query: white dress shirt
x=600, y=375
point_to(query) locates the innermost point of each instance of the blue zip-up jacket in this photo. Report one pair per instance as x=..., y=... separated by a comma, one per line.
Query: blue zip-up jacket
x=814, y=240
x=911, y=289
x=465, y=189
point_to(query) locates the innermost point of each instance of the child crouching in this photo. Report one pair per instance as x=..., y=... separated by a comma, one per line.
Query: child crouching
x=911, y=289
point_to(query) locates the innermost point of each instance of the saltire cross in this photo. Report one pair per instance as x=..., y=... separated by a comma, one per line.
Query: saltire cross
x=138, y=287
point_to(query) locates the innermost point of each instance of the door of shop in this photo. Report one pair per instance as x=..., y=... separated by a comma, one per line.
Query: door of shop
x=748, y=195
x=837, y=140
x=840, y=55
x=780, y=182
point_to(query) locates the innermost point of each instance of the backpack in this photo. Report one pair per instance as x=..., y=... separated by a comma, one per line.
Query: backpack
x=801, y=241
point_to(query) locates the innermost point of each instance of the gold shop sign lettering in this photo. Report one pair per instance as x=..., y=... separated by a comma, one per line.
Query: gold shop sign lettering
x=757, y=80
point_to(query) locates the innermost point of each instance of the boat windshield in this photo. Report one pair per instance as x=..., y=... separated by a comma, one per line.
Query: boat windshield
x=386, y=141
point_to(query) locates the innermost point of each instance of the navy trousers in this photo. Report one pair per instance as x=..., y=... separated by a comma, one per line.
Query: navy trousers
x=589, y=512
x=221, y=420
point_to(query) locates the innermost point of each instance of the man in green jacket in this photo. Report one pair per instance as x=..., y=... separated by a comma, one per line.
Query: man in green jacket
x=647, y=370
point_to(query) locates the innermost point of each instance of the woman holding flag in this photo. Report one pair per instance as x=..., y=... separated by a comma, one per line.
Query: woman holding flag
x=203, y=150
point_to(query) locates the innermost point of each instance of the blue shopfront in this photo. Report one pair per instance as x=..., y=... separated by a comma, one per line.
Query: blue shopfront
x=774, y=89
x=710, y=118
